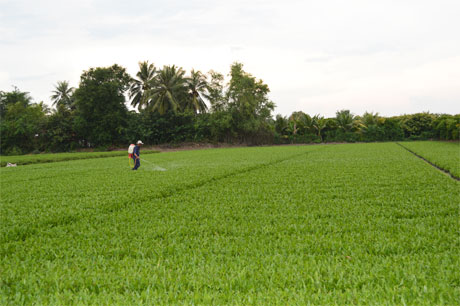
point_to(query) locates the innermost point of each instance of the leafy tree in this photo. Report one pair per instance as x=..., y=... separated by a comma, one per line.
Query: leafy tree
x=166, y=91
x=22, y=122
x=63, y=95
x=196, y=85
x=13, y=97
x=100, y=105
x=447, y=127
x=140, y=86
x=392, y=129
x=248, y=103
x=418, y=126
x=60, y=135
x=215, y=92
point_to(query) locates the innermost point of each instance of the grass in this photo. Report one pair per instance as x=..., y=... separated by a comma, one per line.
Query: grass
x=445, y=155
x=320, y=225
x=59, y=157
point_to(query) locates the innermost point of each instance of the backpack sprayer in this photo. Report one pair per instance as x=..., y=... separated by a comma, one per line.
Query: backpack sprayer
x=130, y=155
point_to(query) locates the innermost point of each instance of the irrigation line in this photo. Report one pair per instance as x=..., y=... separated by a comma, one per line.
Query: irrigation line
x=429, y=162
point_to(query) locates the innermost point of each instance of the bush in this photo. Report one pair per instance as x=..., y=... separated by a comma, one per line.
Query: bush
x=14, y=151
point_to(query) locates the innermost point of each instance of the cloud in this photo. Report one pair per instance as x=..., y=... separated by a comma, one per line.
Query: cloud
x=319, y=56
x=319, y=59
x=33, y=77
x=4, y=77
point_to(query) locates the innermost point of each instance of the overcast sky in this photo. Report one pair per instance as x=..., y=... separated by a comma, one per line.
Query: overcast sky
x=391, y=57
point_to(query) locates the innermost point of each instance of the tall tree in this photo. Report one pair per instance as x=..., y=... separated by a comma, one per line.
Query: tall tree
x=369, y=119
x=319, y=124
x=63, y=95
x=248, y=102
x=418, y=124
x=370, y=127
x=22, y=122
x=168, y=88
x=100, y=104
x=300, y=122
x=196, y=85
x=215, y=91
x=281, y=125
x=60, y=133
x=140, y=86
x=345, y=120
x=447, y=127
x=13, y=97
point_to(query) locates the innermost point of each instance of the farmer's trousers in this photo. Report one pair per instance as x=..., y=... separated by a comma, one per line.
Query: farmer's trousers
x=137, y=163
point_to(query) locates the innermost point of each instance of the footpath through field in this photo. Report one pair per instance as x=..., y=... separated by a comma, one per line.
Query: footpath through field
x=336, y=224
x=440, y=154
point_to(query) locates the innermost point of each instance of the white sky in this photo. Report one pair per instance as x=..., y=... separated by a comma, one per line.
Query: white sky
x=391, y=57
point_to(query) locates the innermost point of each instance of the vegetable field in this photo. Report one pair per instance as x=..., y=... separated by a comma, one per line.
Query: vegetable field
x=321, y=225
x=445, y=155
x=51, y=158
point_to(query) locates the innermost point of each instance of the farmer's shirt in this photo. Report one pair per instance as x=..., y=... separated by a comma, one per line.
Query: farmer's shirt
x=136, y=151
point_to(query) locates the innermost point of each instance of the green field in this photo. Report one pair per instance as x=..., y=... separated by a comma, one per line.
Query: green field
x=445, y=155
x=51, y=158
x=341, y=224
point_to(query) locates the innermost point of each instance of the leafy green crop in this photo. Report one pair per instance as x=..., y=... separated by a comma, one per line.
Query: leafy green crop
x=320, y=225
x=445, y=155
x=58, y=157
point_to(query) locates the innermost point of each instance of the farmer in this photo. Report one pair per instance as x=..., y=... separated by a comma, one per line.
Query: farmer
x=136, y=153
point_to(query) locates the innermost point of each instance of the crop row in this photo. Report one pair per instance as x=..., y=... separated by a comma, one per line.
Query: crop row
x=59, y=157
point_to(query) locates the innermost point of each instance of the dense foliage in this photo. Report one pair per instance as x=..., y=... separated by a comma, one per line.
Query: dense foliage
x=348, y=224
x=101, y=113
x=173, y=107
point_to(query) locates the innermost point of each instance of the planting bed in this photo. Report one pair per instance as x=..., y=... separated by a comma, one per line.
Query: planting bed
x=321, y=225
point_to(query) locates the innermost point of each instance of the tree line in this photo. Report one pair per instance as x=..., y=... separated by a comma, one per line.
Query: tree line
x=172, y=106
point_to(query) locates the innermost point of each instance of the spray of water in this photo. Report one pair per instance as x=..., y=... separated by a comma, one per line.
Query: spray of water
x=157, y=168
x=153, y=166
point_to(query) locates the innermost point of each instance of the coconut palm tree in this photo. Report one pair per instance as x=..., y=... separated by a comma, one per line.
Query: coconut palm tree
x=318, y=124
x=62, y=95
x=168, y=86
x=302, y=122
x=143, y=83
x=369, y=126
x=294, y=121
x=196, y=85
x=345, y=120
x=369, y=119
x=281, y=125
